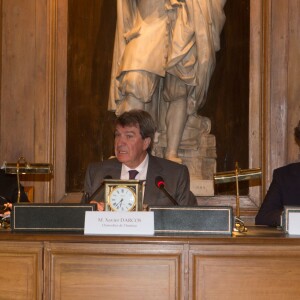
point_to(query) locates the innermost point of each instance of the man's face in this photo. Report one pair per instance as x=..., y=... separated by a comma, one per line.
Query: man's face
x=130, y=148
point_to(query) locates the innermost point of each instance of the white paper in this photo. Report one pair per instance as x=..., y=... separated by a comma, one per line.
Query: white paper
x=294, y=223
x=119, y=223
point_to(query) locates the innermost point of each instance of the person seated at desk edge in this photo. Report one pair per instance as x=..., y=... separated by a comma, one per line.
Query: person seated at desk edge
x=134, y=137
x=284, y=190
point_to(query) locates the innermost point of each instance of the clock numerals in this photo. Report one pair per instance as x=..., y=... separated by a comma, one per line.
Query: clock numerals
x=123, y=195
x=122, y=199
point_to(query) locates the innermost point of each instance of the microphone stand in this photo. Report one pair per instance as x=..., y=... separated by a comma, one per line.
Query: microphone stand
x=168, y=195
x=160, y=183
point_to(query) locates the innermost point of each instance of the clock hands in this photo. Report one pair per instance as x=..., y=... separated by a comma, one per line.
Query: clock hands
x=122, y=199
x=119, y=203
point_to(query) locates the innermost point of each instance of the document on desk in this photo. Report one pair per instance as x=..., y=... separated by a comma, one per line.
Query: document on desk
x=119, y=223
x=294, y=223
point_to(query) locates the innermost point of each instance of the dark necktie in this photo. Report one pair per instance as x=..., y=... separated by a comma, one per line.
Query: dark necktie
x=132, y=174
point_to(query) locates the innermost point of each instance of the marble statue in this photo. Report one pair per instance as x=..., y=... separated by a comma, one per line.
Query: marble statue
x=164, y=56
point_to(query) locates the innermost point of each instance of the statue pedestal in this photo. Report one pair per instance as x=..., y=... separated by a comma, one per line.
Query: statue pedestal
x=201, y=163
x=201, y=187
x=201, y=160
x=197, y=151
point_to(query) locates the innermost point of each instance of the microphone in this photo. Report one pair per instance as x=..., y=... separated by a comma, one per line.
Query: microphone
x=89, y=198
x=160, y=183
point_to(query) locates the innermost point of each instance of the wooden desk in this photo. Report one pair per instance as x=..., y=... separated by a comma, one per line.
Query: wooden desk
x=262, y=264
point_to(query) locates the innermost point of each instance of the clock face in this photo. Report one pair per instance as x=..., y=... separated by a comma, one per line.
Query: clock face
x=122, y=198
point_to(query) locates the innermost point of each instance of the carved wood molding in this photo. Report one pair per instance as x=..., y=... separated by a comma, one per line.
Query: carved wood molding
x=51, y=83
x=57, y=82
x=255, y=93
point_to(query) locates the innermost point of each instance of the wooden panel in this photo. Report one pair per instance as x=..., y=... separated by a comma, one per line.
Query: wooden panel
x=279, y=61
x=21, y=270
x=253, y=272
x=255, y=94
x=59, y=23
x=106, y=271
x=90, y=131
x=228, y=95
x=281, y=106
x=293, y=152
x=261, y=264
x=25, y=122
x=276, y=52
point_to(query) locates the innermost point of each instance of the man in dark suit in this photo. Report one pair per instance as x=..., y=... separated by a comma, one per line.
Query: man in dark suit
x=284, y=190
x=134, y=135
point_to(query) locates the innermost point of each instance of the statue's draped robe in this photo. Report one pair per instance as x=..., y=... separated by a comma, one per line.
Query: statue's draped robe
x=181, y=40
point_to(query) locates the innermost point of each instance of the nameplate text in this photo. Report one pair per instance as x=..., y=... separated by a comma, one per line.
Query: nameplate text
x=119, y=223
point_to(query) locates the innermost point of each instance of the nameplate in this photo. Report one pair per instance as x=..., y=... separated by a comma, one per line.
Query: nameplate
x=291, y=220
x=119, y=223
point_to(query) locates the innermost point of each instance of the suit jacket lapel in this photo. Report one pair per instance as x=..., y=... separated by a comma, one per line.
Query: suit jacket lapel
x=151, y=191
x=115, y=169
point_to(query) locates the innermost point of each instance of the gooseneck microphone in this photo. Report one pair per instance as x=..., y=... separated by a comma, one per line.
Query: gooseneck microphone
x=101, y=186
x=160, y=183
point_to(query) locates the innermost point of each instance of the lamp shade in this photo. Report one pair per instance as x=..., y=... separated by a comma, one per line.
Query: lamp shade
x=27, y=168
x=241, y=175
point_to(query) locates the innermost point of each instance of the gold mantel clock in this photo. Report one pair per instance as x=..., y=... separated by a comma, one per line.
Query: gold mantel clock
x=123, y=195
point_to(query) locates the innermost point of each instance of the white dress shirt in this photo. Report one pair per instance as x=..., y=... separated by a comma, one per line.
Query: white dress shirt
x=142, y=169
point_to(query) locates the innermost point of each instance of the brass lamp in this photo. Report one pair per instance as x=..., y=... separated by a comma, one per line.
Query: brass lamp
x=23, y=167
x=236, y=176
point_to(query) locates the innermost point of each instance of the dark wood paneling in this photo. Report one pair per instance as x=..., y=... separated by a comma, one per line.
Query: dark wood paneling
x=91, y=31
x=228, y=97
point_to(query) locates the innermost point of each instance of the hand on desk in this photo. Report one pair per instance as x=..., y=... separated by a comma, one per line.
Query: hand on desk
x=100, y=205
